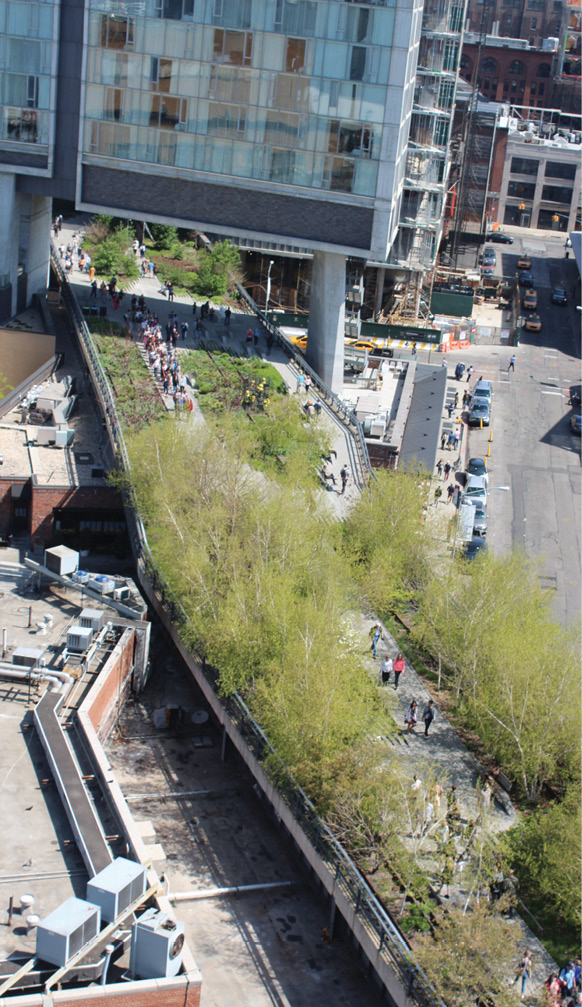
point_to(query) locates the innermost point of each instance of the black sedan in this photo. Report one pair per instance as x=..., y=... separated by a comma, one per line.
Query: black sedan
x=558, y=295
x=526, y=279
x=500, y=238
x=479, y=412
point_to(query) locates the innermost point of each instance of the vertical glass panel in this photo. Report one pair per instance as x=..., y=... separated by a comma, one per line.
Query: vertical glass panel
x=295, y=55
x=365, y=178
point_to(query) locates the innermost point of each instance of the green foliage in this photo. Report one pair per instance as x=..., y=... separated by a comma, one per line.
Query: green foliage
x=467, y=957
x=165, y=236
x=265, y=598
x=386, y=540
x=216, y=270
x=137, y=398
x=111, y=256
x=544, y=849
x=513, y=669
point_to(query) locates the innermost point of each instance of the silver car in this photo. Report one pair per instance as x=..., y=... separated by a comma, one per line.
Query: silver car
x=480, y=520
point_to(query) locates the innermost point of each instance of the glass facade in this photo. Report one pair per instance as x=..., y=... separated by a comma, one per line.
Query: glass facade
x=27, y=55
x=288, y=93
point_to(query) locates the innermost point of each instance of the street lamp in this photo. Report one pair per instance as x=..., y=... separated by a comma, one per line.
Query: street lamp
x=271, y=263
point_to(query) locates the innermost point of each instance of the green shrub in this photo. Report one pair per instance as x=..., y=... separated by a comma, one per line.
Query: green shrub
x=165, y=236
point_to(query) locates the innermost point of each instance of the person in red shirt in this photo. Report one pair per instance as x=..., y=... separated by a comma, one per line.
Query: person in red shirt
x=398, y=668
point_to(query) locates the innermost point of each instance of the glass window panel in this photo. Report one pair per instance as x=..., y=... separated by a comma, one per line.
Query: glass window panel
x=17, y=19
x=282, y=164
x=242, y=160
x=525, y=190
x=366, y=173
x=342, y=174
x=555, y=169
x=295, y=55
x=303, y=168
x=524, y=166
x=357, y=62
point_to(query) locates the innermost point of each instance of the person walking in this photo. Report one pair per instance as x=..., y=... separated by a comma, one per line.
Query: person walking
x=399, y=666
x=511, y=363
x=375, y=635
x=385, y=670
x=428, y=716
x=344, y=476
x=447, y=471
x=451, y=491
x=227, y=315
x=453, y=808
x=469, y=374
x=443, y=440
x=440, y=467
x=411, y=716
x=523, y=971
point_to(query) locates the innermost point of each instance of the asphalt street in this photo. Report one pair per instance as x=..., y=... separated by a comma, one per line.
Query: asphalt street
x=534, y=463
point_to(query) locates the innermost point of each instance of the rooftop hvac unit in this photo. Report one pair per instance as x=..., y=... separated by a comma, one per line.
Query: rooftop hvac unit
x=92, y=618
x=79, y=639
x=156, y=946
x=62, y=560
x=81, y=577
x=116, y=887
x=66, y=930
x=102, y=584
x=27, y=657
x=550, y=44
x=121, y=593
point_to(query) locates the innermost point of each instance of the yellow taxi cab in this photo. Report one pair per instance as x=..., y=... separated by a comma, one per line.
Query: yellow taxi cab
x=533, y=324
x=530, y=300
x=361, y=344
x=299, y=341
x=524, y=262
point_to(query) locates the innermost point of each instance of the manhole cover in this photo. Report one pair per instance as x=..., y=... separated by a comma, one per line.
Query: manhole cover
x=83, y=458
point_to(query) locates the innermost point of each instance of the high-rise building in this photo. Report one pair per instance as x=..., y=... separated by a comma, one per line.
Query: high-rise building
x=302, y=125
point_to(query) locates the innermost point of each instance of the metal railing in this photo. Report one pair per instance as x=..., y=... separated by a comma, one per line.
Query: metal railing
x=375, y=920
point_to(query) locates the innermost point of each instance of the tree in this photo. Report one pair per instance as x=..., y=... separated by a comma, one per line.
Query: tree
x=165, y=236
x=217, y=268
x=386, y=541
x=468, y=958
x=544, y=849
x=112, y=257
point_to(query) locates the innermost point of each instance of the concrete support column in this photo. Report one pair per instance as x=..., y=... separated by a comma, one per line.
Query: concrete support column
x=24, y=246
x=325, y=347
x=380, y=276
x=9, y=235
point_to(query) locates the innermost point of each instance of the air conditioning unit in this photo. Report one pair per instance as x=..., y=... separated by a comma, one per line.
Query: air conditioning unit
x=81, y=577
x=92, y=618
x=102, y=584
x=156, y=946
x=66, y=930
x=79, y=639
x=121, y=593
x=62, y=560
x=116, y=887
x=27, y=657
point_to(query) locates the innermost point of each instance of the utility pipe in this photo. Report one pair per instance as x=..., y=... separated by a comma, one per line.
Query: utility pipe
x=212, y=893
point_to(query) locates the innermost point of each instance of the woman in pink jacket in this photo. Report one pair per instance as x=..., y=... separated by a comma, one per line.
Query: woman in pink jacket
x=398, y=667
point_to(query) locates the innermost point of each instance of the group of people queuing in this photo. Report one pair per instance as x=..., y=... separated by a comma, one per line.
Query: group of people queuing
x=162, y=354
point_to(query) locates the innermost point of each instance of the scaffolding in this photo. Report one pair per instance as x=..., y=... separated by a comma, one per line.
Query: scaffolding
x=428, y=155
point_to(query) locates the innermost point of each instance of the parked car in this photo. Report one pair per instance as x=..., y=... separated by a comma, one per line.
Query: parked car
x=475, y=491
x=479, y=412
x=488, y=268
x=500, y=238
x=477, y=467
x=474, y=547
x=526, y=279
x=483, y=390
x=530, y=300
x=524, y=262
x=489, y=255
x=480, y=522
x=533, y=324
x=576, y=424
x=558, y=295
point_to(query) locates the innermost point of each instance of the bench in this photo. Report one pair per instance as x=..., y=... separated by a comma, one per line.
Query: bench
x=498, y=777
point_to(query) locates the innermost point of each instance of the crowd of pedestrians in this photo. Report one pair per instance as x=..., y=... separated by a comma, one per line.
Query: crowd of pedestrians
x=564, y=989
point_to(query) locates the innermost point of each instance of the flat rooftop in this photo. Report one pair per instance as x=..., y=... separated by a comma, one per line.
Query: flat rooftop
x=256, y=948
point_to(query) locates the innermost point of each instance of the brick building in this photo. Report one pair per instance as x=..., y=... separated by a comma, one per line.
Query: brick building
x=511, y=71
x=531, y=20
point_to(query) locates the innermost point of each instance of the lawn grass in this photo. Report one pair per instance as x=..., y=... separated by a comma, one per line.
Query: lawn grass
x=221, y=380
x=138, y=401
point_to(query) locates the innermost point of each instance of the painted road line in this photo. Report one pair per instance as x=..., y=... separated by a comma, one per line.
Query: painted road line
x=553, y=393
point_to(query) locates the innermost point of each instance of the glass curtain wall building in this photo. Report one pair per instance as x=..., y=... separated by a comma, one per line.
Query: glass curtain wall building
x=285, y=122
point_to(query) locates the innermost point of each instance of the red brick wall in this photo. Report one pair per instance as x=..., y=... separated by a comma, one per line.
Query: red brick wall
x=45, y=498
x=503, y=58
x=497, y=170
x=114, y=684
